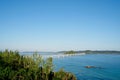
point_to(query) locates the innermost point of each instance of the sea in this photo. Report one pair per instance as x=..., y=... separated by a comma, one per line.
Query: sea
x=106, y=66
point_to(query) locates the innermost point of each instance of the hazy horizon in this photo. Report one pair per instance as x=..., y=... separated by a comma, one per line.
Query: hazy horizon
x=39, y=50
x=61, y=25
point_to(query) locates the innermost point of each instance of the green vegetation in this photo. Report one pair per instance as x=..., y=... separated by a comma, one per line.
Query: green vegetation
x=16, y=67
x=70, y=52
x=101, y=52
x=91, y=52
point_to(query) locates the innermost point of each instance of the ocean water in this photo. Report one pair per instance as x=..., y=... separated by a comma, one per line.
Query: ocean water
x=108, y=66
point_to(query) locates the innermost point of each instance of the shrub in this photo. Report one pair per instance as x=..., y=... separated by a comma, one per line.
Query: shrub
x=16, y=67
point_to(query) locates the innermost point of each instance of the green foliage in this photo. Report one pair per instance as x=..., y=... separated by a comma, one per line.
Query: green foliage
x=16, y=67
x=62, y=75
x=88, y=51
x=70, y=52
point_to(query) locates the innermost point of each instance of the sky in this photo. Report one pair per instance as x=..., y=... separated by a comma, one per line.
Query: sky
x=57, y=25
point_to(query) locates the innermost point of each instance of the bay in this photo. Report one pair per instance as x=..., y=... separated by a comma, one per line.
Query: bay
x=108, y=65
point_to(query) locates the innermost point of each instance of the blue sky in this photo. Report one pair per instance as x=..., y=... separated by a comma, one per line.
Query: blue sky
x=55, y=25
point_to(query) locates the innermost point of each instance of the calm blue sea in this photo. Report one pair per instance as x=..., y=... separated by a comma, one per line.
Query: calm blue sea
x=109, y=66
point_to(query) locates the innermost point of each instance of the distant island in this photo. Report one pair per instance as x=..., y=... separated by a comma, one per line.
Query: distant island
x=90, y=52
x=70, y=52
x=80, y=51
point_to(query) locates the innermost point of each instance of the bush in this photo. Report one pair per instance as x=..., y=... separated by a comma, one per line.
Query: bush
x=16, y=67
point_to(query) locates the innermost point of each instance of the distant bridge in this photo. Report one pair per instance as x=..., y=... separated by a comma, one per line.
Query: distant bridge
x=56, y=55
x=62, y=55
